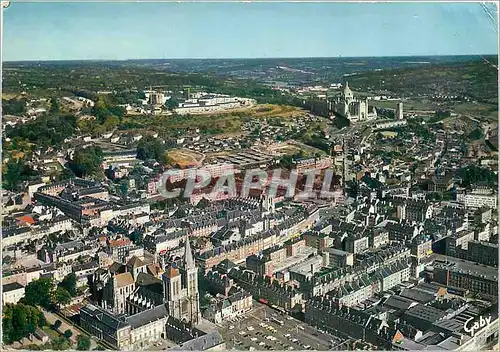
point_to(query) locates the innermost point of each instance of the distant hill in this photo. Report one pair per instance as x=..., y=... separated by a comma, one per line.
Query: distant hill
x=409, y=76
x=477, y=79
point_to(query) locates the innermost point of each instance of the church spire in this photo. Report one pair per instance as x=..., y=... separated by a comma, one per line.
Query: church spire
x=188, y=255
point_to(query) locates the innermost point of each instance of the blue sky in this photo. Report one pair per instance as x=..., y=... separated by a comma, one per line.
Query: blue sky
x=62, y=31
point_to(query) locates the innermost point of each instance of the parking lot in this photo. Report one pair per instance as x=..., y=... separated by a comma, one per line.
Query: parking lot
x=259, y=330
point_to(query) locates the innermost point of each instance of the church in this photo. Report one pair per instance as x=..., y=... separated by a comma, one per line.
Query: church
x=137, y=304
x=180, y=288
x=138, y=286
x=354, y=109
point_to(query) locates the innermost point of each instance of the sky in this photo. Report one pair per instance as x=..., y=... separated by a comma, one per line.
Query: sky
x=117, y=31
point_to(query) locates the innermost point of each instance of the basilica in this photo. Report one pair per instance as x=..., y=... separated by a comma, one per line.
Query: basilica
x=354, y=109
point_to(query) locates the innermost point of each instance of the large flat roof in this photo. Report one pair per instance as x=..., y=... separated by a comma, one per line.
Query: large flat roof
x=466, y=266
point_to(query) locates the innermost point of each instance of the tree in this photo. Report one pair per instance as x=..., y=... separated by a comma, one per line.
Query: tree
x=68, y=333
x=86, y=161
x=15, y=172
x=477, y=175
x=117, y=111
x=60, y=344
x=65, y=174
x=440, y=114
x=434, y=196
x=61, y=296
x=167, y=160
x=83, y=343
x=54, y=105
x=172, y=103
x=111, y=122
x=286, y=161
x=11, y=174
x=14, y=106
x=100, y=110
x=45, y=131
x=340, y=121
x=150, y=148
x=69, y=283
x=57, y=324
x=371, y=182
x=203, y=203
x=84, y=94
x=38, y=292
x=20, y=320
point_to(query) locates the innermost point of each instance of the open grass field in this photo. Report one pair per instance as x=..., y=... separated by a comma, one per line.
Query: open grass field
x=9, y=95
x=231, y=135
x=185, y=157
x=225, y=123
x=408, y=105
x=488, y=111
x=266, y=110
x=283, y=148
x=483, y=110
x=291, y=147
x=51, y=332
x=261, y=110
x=17, y=155
x=55, y=166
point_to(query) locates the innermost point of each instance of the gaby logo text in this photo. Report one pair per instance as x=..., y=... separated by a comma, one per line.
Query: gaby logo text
x=472, y=327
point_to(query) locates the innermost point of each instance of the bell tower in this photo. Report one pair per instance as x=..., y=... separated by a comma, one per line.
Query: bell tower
x=192, y=293
x=180, y=288
x=172, y=290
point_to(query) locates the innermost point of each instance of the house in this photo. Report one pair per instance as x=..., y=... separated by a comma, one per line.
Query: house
x=12, y=293
x=135, y=266
x=236, y=304
x=212, y=341
x=41, y=335
x=440, y=184
x=133, y=332
x=415, y=211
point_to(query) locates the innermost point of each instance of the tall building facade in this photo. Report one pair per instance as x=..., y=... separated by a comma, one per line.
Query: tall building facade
x=180, y=288
x=399, y=111
x=156, y=98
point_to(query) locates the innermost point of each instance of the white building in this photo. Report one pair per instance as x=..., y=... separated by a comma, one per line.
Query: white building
x=479, y=198
x=390, y=124
x=12, y=293
x=399, y=111
x=203, y=103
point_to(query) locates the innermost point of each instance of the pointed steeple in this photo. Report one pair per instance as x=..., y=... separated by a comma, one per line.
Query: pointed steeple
x=188, y=256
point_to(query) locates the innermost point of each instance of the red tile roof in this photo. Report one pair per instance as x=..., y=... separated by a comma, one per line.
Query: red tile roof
x=119, y=243
x=26, y=219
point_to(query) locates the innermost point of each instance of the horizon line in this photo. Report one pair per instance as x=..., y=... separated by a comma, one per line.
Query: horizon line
x=258, y=58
